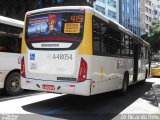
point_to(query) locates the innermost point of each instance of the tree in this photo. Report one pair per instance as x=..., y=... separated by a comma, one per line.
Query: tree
x=155, y=26
x=153, y=37
x=15, y=8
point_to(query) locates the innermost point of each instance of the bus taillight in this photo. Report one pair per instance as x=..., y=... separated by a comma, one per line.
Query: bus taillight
x=23, y=74
x=82, y=71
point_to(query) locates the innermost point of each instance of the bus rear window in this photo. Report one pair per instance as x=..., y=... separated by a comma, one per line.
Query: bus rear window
x=55, y=30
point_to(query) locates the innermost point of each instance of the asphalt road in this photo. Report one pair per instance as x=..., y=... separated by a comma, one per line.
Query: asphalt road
x=5, y=97
x=140, y=99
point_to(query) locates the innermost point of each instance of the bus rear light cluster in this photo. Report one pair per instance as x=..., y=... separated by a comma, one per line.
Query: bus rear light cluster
x=23, y=74
x=82, y=76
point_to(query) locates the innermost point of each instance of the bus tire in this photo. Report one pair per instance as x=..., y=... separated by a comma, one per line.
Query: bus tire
x=12, y=84
x=125, y=84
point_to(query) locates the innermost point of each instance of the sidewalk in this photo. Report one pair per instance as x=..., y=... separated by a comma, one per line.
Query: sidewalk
x=156, y=88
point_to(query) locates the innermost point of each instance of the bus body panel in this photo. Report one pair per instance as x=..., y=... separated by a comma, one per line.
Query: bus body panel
x=53, y=62
x=108, y=73
x=86, y=46
x=35, y=80
x=57, y=87
x=41, y=69
x=11, y=61
x=3, y=75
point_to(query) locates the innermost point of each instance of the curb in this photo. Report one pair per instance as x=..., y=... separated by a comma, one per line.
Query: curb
x=156, y=88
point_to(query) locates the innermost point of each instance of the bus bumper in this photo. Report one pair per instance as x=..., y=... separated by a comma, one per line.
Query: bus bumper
x=78, y=88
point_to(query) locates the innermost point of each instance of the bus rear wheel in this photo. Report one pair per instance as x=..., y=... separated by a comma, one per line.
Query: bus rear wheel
x=12, y=84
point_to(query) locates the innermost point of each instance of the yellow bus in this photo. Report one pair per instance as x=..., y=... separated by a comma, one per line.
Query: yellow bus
x=77, y=50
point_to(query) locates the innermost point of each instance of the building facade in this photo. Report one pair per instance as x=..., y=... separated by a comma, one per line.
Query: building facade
x=126, y=12
x=109, y=8
x=129, y=12
x=150, y=11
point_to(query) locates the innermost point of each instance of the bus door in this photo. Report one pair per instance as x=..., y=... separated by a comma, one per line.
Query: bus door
x=135, y=66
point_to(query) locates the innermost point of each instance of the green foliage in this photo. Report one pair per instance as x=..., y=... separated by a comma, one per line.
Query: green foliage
x=153, y=37
x=155, y=26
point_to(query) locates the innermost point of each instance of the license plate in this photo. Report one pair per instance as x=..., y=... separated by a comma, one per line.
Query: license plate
x=48, y=87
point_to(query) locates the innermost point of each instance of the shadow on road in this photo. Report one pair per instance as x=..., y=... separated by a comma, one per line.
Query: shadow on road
x=98, y=107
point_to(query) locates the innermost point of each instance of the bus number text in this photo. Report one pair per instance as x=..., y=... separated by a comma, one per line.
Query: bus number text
x=62, y=56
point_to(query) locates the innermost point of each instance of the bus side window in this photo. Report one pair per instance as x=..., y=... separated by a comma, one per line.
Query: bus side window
x=146, y=53
x=96, y=37
x=123, y=52
x=10, y=40
x=131, y=47
x=127, y=45
x=104, y=39
x=18, y=45
x=114, y=38
x=2, y=45
x=2, y=48
x=141, y=51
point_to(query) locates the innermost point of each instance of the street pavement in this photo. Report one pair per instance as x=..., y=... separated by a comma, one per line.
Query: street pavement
x=140, y=99
x=156, y=88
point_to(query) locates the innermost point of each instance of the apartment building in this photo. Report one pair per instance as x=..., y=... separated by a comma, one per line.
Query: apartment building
x=126, y=12
x=109, y=8
x=129, y=12
x=150, y=10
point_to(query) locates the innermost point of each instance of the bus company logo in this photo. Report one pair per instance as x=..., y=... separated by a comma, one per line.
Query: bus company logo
x=32, y=56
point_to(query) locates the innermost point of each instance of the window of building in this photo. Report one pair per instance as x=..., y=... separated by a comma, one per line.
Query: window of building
x=147, y=26
x=149, y=2
x=155, y=12
x=103, y=1
x=146, y=1
x=150, y=11
x=146, y=9
x=100, y=9
x=146, y=17
x=112, y=3
x=112, y=14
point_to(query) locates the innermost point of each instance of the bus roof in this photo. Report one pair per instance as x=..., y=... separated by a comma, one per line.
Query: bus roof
x=12, y=22
x=96, y=13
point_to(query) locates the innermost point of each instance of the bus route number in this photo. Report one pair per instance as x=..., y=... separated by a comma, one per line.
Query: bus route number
x=76, y=18
x=62, y=56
